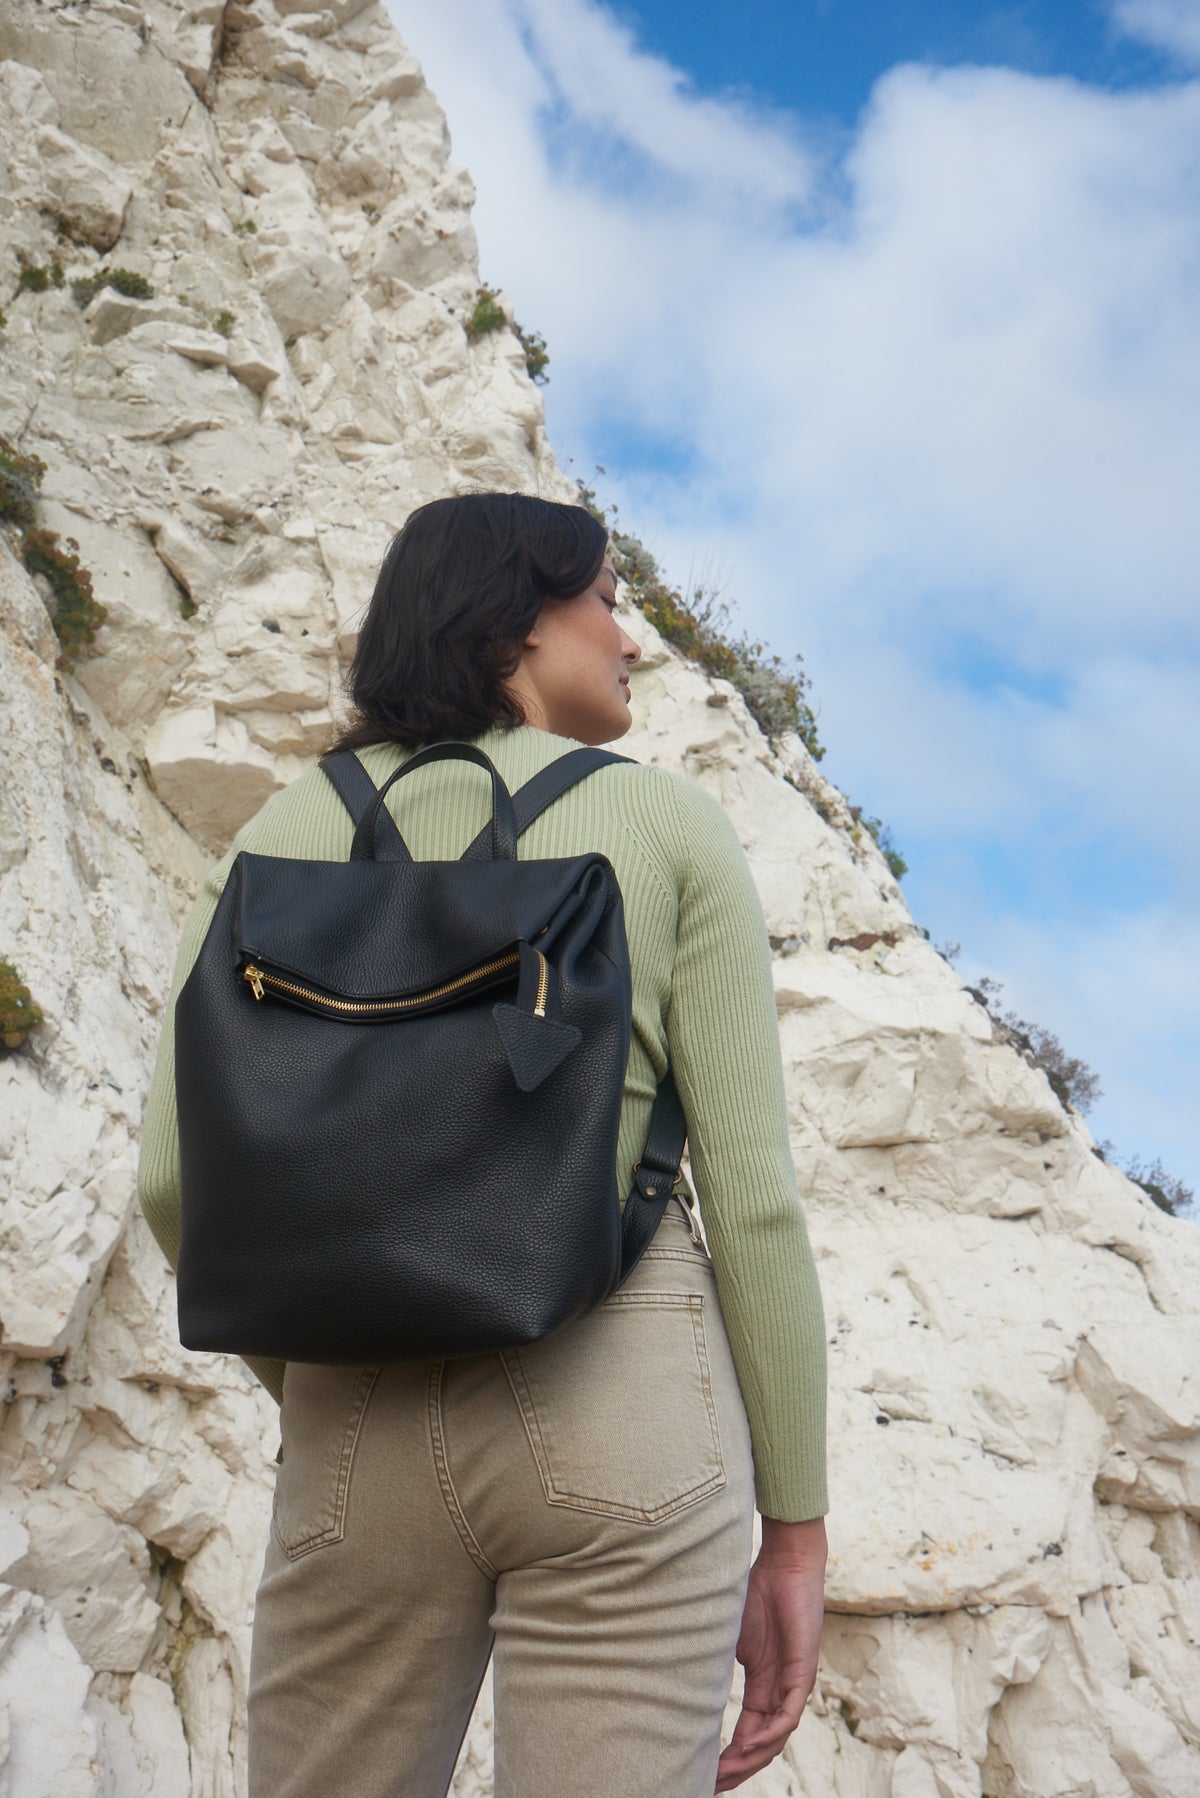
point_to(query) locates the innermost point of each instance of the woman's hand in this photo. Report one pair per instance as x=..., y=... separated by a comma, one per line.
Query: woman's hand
x=778, y=1644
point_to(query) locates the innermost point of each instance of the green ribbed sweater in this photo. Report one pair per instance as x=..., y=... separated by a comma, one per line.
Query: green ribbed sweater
x=703, y=998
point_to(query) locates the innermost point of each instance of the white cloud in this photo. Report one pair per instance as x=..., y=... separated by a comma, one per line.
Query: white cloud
x=592, y=63
x=1170, y=25
x=935, y=402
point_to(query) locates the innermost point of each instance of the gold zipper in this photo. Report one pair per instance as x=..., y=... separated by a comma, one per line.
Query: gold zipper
x=258, y=980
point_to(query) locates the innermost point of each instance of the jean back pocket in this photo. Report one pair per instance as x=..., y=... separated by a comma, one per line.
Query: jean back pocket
x=322, y=1415
x=619, y=1409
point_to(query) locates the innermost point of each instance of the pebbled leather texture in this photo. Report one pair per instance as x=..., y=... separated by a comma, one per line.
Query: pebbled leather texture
x=421, y=1180
x=535, y=1046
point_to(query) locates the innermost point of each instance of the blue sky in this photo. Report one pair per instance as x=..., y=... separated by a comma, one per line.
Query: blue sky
x=886, y=317
x=819, y=59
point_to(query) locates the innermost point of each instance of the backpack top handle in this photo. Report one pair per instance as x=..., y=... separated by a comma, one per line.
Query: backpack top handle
x=358, y=792
x=503, y=828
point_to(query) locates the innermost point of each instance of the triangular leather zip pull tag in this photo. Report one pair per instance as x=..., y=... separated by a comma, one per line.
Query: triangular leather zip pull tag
x=534, y=1046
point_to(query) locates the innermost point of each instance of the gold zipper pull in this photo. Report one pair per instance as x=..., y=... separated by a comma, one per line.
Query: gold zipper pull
x=539, y=1009
x=253, y=978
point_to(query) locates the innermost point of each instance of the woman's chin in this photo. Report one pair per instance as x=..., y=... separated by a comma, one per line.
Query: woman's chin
x=603, y=726
x=623, y=721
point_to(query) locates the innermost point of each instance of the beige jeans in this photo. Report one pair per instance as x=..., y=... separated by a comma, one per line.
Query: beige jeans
x=581, y=1510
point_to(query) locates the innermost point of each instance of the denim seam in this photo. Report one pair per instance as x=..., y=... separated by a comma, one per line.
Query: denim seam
x=693, y=1304
x=696, y=1256
x=337, y=1529
x=437, y=1437
x=706, y=1384
x=515, y=1375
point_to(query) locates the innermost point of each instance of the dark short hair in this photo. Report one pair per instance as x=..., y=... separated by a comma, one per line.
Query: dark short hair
x=460, y=586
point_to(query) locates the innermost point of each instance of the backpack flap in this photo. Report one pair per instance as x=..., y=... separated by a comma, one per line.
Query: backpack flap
x=366, y=933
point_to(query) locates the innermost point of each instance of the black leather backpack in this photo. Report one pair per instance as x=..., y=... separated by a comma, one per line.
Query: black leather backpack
x=399, y=1086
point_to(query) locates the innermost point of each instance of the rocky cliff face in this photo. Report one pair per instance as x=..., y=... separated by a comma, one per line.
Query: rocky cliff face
x=1014, y=1328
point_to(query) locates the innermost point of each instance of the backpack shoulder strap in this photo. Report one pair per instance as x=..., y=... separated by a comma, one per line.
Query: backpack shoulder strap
x=654, y=1176
x=547, y=785
x=356, y=789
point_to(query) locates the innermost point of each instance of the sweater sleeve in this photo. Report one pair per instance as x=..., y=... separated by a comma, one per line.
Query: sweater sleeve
x=723, y=1041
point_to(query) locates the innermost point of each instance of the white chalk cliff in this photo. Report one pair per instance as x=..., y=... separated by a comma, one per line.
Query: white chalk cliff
x=1014, y=1328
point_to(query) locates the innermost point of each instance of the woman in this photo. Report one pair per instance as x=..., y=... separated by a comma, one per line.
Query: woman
x=581, y=1511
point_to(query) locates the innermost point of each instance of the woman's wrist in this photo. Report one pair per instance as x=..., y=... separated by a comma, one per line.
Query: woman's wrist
x=802, y=1543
